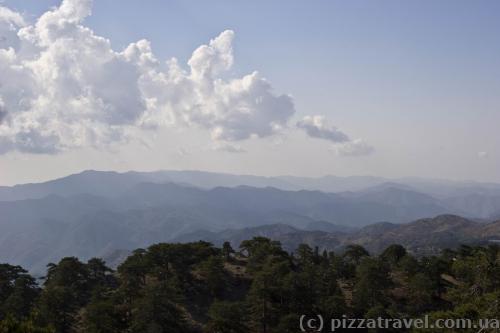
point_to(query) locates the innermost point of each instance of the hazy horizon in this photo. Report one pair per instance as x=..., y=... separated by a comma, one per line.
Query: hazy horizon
x=388, y=179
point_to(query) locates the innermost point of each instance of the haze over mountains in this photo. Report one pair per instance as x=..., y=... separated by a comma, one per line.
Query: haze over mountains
x=113, y=183
x=98, y=213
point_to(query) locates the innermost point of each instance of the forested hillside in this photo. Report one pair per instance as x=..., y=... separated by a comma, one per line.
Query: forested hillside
x=258, y=287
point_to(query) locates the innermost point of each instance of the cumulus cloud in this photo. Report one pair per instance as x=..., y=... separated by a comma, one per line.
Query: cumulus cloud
x=318, y=127
x=356, y=147
x=62, y=87
x=10, y=22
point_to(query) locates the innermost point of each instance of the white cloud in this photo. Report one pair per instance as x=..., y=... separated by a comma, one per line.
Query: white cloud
x=356, y=147
x=318, y=127
x=10, y=22
x=62, y=87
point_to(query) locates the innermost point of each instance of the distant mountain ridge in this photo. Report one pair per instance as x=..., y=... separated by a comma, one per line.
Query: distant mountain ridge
x=421, y=237
x=466, y=198
x=101, y=182
x=96, y=213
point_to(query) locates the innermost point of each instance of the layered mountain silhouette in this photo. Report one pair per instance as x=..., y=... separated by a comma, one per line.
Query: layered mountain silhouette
x=421, y=237
x=99, y=213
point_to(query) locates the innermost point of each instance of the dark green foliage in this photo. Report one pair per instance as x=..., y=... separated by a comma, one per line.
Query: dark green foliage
x=227, y=250
x=103, y=315
x=409, y=265
x=372, y=283
x=157, y=311
x=393, y=254
x=227, y=317
x=421, y=293
x=11, y=325
x=66, y=289
x=18, y=292
x=212, y=272
x=259, y=250
x=133, y=273
x=354, y=253
x=196, y=287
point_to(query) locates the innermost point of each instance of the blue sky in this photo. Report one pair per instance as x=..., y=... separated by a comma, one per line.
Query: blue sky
x=418, y=80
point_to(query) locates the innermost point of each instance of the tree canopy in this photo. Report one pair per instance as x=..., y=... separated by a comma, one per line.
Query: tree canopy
x=260, y=288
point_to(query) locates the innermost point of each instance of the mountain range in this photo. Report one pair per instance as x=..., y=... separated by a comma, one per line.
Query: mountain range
x=421, y=237
x=98, y=213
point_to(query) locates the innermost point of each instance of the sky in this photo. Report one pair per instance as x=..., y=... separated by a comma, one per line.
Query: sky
x=309, y=88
